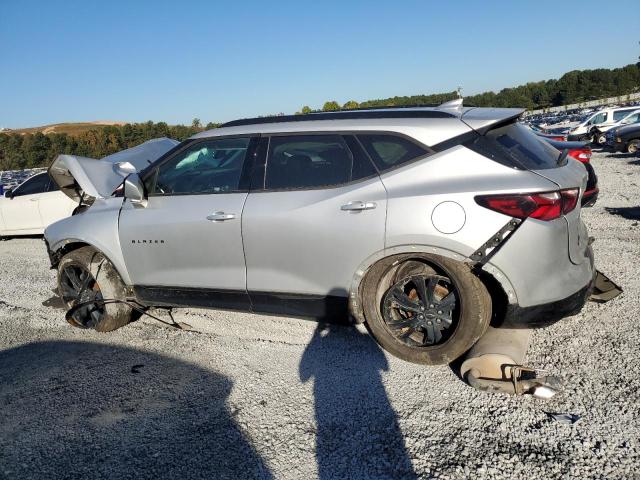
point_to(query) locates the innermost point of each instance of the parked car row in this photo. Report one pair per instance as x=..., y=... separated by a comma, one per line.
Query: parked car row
x=592, y=126
x=12, y=178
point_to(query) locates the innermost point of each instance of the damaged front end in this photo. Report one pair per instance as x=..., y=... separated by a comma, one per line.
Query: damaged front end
x=85, y=179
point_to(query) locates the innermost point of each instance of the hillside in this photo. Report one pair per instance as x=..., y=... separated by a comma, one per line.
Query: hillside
x=68, y=128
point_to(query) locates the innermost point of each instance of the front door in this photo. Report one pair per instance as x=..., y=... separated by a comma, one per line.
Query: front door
x=186, y=243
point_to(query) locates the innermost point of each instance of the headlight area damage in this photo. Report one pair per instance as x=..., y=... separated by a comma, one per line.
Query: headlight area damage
x=495, y=363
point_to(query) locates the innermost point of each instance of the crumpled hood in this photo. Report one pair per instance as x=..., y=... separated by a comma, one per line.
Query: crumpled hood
x=78, y=176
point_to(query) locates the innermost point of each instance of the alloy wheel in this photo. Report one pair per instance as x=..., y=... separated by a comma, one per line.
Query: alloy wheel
x=421, y=310
x=77, y=285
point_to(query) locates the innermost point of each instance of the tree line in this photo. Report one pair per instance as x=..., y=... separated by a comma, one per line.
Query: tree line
x=19, y=151
x=573, y=87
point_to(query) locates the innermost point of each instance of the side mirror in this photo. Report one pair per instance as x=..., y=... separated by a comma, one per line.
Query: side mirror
x=134, y=190
x=9, y=193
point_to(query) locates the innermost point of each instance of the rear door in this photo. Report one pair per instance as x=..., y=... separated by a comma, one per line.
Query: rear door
x=188, y=237
x=314, y=214
x=21, y=213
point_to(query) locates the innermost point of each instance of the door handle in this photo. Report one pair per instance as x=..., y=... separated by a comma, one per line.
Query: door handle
x=358, y=206
x=220, y=216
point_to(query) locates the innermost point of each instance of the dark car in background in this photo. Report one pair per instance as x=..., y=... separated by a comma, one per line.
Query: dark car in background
x=624, y=139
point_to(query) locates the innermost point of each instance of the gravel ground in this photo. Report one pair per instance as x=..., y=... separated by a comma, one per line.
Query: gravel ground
x=270, y=397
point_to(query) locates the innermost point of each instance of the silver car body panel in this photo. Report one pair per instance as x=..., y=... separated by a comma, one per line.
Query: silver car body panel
x=98, y=227
x=428, y=131
x=170, y=242
x=303, y=242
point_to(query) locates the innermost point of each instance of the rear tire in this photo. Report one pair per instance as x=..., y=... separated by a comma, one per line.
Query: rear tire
x=100, y=280
x=470, y=314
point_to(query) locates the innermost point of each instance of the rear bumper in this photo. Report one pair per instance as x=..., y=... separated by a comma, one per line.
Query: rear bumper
x=546, y=314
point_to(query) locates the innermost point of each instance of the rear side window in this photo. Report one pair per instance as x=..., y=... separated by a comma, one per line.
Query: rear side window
x=388, y=151
x=312, y=161
x=522, y=146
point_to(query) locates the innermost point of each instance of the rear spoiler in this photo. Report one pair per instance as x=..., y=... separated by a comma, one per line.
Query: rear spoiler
x=484, y=119
x=81, y=177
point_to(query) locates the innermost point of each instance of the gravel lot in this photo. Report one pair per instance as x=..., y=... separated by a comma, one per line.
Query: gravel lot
x=257, y=396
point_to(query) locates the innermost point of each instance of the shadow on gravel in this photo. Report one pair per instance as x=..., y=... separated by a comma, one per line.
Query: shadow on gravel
x=84, y=410
x=630, y=213
x=352, y=408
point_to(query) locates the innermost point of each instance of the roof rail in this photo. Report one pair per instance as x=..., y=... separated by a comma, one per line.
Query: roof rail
x=374, y=112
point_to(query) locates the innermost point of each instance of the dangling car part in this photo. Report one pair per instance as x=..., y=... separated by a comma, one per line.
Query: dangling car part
x=494, y=364
x=604, y=289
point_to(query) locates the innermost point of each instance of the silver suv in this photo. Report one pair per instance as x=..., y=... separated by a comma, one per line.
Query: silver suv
x=427, y=224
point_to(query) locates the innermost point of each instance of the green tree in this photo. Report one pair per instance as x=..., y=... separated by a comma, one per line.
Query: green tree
x=351, y=104
x=195, y=123
x=331, y=106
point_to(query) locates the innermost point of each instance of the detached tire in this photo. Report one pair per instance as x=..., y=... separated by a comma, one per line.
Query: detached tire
x=421, y=327
x=85, y=275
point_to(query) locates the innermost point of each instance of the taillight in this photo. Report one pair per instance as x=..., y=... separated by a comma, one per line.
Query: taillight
x=569, y=199
x=581, y=154
x=541, y=206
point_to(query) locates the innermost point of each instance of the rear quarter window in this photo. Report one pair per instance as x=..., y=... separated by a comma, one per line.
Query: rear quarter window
x=388, y=151
x=523, y=147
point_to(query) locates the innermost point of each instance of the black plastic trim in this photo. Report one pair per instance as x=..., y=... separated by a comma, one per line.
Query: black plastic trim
x=548, y=313
x=341, y=115
x=192, y=297
x=326, y=308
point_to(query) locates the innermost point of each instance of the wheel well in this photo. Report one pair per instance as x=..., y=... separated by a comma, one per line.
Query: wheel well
x=499, y=298
x=61, y=252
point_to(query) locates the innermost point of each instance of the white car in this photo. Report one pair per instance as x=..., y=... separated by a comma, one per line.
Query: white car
x=32, y=206
x=594, y=127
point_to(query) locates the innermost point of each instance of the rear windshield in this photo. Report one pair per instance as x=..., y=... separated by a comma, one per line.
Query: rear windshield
x=524, y=147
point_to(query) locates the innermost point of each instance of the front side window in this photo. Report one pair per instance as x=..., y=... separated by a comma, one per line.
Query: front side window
x=213, y=166
x=308, y=161
x=600, y=118
x=388, y=151
x=36, y=184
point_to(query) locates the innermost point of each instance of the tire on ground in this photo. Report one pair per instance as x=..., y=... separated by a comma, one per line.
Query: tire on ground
x=474, y=313
x=632, y=146
x=115, y=315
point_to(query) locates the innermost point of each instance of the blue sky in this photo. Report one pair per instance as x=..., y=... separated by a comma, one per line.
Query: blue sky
x=173, y=61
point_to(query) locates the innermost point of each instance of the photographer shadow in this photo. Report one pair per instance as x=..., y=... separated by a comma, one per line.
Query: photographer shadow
x=87, y=410
x=352, y=410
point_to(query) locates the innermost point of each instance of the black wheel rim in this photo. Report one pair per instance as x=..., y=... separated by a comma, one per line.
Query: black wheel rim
x=77, y=285
x=421, y=310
